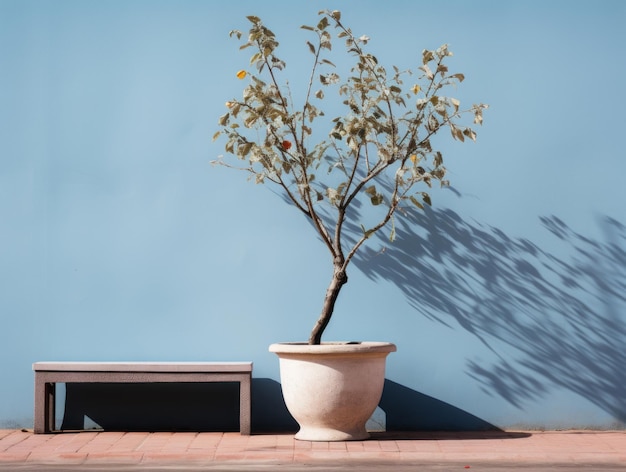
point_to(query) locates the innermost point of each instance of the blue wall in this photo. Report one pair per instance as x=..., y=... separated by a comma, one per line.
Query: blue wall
x=119, y=241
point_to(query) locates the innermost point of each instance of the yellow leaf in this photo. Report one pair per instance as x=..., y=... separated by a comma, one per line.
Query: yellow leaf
x=241, y=74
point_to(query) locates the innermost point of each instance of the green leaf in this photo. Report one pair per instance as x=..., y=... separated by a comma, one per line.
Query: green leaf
x=377, y=199
x=244, y=149
x=322, y=24
x=427, y=56
x=416, y=202
x=439, y=173
x=427, y=71
x=438, y=159
x=478, y=113
x=371, y=190
x=230, y=146
x=470, y=133
x=255, y=57
x=457, y=133
x=223, y=121
x=325, y=40
x=433, y=124
x=329, y=79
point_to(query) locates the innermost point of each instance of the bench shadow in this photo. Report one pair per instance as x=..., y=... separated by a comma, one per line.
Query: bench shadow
x=197, y=407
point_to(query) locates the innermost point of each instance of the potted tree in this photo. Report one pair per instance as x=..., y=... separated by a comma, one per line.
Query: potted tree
x=376, y=151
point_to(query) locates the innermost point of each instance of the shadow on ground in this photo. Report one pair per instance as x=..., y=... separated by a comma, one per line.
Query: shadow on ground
x=174, y=407
x=215, y=407
x=447, y=435
x=408, y=410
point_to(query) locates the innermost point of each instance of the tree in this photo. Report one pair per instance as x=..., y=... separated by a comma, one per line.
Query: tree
x=384, y=135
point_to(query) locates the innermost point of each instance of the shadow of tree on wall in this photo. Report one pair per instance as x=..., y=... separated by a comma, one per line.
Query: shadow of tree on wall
x=563, y=315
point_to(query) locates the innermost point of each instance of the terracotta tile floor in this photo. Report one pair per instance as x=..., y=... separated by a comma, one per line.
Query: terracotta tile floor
x=566, y=447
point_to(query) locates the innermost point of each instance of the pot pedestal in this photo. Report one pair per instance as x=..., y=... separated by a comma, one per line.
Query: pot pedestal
x=332, y=389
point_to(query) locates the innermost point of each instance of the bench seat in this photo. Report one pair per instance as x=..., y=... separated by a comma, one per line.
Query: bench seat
x=48, y=374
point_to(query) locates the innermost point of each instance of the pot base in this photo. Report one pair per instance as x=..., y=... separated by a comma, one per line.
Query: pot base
x=328, y=434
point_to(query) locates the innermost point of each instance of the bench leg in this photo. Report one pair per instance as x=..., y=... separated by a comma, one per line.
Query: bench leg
x=45, y=405
x=244, y=407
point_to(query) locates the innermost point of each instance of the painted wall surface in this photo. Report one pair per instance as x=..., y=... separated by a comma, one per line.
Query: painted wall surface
x=119, y=241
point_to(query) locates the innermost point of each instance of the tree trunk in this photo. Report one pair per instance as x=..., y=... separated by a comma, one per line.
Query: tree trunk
x=340, y=278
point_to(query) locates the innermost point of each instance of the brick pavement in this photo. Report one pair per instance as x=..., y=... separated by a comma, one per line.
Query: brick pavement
x=21, y=448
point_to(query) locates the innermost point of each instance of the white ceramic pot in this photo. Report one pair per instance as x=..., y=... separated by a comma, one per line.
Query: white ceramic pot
x=332, y=389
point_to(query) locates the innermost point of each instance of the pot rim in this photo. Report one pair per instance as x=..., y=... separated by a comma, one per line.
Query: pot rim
x=334, y=347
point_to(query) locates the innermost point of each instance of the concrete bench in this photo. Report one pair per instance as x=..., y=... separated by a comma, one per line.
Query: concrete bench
x=48, y=374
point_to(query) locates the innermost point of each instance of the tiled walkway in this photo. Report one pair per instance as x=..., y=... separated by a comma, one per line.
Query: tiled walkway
x=18, y=448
